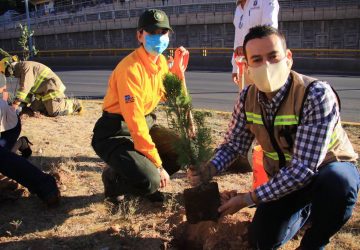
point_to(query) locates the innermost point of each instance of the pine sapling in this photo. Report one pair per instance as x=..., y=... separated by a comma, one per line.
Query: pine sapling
x=194, y=146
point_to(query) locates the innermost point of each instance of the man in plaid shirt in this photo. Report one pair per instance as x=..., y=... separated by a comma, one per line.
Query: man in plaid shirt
x=307, y=155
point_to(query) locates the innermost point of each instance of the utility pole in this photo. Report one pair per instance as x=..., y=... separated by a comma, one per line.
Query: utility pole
x=28, y=24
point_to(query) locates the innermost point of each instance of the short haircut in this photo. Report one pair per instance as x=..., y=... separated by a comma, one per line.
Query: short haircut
x=261, y=31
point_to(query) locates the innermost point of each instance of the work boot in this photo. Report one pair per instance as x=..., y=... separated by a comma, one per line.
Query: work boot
x=156, y=197
x=7, y=184
x=77, y=106
x=113, y=185
x=52, y=200
x=23, y=145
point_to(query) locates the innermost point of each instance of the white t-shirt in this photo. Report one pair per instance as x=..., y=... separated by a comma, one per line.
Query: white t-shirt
x=255, y=12
x=8, y=116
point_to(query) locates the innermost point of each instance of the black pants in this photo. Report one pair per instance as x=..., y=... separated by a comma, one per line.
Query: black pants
x=22, y=171
x=113, y=144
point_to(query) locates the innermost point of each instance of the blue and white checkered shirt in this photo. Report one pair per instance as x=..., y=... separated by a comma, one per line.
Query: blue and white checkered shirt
x=320, y=115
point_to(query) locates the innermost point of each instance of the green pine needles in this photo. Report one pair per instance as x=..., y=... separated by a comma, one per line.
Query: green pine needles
x=193, y=148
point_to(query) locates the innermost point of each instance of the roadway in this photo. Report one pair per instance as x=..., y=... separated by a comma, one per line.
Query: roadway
x=211, y=90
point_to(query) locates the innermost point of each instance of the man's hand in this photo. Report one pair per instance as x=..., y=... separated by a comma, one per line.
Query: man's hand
x=15, y=105
x=231, y=204
x=202, y=175
x=164, y=178
x=235, y=79
x=227, y=195
x=181, y=60
x=239, y=51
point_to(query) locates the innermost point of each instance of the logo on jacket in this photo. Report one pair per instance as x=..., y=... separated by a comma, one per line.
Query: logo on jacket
x=241, y=22
x=129, y=99
x=255, y=3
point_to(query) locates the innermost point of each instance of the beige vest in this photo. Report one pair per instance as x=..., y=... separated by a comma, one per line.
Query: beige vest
x=277, y=140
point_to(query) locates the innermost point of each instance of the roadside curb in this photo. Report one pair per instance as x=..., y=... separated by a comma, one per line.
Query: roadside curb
x=356, y=124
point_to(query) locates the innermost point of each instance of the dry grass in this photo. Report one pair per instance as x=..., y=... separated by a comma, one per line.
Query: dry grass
x=85, y=221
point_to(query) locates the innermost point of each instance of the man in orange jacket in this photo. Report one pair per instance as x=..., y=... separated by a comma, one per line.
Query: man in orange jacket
x=139, y=154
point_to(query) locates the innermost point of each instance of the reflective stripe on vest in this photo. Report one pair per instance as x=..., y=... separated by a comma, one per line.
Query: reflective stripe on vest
x=281, y=120
x=39, y=80
x=286, y=120
x=333, y=140
x=274, y=156
x=254, y=118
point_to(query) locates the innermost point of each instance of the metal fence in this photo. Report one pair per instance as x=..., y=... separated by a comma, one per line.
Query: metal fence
x=83, y=11
x=117, y=14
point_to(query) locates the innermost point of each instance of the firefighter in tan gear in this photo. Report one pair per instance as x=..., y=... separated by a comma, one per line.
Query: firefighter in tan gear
x=39, y=88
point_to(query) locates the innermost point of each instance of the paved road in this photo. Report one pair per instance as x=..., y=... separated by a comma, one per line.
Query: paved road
x=212, y=90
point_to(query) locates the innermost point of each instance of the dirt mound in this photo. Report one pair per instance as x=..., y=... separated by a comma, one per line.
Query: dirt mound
x=228, y=233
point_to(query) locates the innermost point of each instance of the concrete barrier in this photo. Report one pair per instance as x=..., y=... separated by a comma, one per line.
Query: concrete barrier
x=348, y=66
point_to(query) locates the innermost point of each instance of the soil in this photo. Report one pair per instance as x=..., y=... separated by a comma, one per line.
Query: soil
x=202, y=203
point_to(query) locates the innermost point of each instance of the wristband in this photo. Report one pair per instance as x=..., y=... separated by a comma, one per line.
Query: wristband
x=248, y=200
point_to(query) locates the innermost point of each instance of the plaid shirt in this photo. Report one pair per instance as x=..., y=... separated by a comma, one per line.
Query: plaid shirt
x=313, y=135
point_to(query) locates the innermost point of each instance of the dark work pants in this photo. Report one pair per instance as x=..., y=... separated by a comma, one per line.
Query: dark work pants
x=329, y=199
x=22, y=171
x=113, y=144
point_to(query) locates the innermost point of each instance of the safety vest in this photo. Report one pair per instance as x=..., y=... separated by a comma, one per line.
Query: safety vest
x=277, y=139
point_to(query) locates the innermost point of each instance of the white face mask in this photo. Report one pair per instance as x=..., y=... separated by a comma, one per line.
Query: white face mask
x=270, y=77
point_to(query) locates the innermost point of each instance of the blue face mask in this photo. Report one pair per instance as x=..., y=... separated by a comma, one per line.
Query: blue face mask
x=156, y=44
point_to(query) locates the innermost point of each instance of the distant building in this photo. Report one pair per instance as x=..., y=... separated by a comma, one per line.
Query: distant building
x=8, y=15
x=45, y=6
x=102, y=24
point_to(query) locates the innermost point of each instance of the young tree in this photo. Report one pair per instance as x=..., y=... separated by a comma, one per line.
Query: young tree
x=193, y=148
x=26, y=34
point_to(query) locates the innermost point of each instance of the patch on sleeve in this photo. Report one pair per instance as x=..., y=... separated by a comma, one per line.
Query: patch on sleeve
x=129, y=99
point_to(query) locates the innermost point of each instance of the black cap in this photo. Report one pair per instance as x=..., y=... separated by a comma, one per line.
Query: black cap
x=153, y=19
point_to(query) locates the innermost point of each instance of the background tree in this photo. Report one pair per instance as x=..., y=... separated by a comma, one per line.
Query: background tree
x=26, y=34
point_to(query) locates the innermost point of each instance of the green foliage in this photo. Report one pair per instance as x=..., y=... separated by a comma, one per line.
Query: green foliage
x=26, y=34
x=4, y=53
x=192, y=149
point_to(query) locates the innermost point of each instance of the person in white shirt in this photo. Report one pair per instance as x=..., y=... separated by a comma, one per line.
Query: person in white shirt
x=17, y=168
x=248, y=14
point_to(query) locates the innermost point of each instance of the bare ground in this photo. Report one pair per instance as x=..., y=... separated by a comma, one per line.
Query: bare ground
x=85, y=221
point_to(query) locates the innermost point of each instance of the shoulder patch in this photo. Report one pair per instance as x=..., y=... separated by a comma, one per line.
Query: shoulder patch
x=129, y=99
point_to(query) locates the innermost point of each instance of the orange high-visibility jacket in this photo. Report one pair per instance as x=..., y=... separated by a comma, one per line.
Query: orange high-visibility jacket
x=134, y=90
